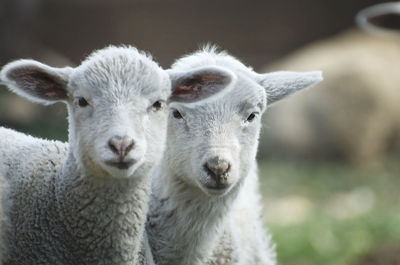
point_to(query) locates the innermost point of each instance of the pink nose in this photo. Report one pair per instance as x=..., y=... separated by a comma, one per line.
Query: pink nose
x=121, y=145
x=218, y=170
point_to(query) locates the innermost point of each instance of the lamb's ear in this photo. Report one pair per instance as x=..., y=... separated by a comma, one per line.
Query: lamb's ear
x=279, y=85
x=36, y=81
x=198, y=84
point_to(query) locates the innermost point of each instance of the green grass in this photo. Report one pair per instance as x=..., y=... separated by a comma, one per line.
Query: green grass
x=330, y=214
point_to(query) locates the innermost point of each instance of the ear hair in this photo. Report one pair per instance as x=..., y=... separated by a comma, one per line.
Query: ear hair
x=279, y=85
x=36, y=81
x=198, y=84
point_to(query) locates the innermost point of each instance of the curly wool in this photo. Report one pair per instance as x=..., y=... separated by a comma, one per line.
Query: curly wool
x=63, y=207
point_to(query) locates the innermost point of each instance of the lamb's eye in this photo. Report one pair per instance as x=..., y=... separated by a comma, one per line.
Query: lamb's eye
x=82, y=102
x=252, y=116
x=157, y=105
x=177, y=114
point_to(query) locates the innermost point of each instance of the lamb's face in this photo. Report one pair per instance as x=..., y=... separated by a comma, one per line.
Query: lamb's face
x=118, y=116
x=116, y=100
x=214, y=141
x=214, y=120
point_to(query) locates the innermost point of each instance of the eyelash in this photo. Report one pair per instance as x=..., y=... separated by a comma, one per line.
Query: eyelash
x=158, y=105
x=82, y=102
x=176, y=114
x=252, y=116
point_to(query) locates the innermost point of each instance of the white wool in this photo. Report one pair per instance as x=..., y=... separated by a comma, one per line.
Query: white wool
x=85, y=202
x=191, y=220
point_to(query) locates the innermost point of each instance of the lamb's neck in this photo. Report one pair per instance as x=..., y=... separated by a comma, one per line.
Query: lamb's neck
x=183, y=222
x=103, y=218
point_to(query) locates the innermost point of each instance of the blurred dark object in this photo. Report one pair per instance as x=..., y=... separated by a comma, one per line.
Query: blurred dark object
x=390, y=21
x=382, y=18
x=384, y=255
x=353, y=115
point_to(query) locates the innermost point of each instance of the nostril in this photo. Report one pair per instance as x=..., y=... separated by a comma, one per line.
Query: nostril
x=217, y=168
x=127, y=145
x=121, y=145
x=115, y=145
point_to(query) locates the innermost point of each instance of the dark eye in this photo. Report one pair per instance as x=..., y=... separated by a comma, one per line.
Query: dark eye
x=251, y=117
x=82, y=102
x=177, y=114
x=157, y=105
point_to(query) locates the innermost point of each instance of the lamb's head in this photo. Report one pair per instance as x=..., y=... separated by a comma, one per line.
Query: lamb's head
x=115, y=100
x=212, y=142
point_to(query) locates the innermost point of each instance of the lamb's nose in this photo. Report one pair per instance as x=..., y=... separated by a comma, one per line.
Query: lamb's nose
x=121, y=145
x=218, y=169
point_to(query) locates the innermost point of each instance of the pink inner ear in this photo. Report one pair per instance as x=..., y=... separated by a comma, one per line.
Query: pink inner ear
x=209, y=78
x=38, y=83
x=187, y=92
x=198, y=86
x=185, y=89
x=187, y=96
x=191, y=91
x=51, y=94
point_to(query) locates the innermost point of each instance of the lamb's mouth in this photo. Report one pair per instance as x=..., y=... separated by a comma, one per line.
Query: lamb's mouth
x=124, y=164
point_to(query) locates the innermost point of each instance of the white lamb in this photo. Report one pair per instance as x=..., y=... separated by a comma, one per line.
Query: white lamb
x=91, y=208
x=205, y=205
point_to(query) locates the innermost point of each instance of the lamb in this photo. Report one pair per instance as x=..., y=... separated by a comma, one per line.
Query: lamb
x=85, y=202
x=205, y=204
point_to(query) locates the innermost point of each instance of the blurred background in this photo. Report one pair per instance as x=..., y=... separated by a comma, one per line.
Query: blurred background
x=329, y=157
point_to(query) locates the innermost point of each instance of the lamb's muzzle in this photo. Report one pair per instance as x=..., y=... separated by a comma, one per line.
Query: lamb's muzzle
x=121, y=145
x=218, y=169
